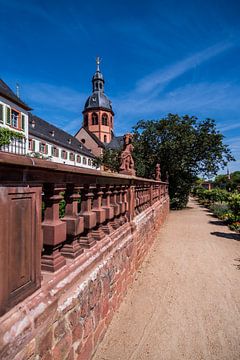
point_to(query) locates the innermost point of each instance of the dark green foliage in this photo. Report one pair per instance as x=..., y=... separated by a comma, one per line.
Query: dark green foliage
x=184, y=146
x=110, y=159
x=224, y=182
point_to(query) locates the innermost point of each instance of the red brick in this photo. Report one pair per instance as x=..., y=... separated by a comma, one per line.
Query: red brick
x=84, y=305
x=85, y=351
x=45, y=344
x=73, y=318
x=70, y=355
x=99, y=333
x=88, y=327
x=104, y=308
x=60, y=330
x=97, y=314
x=77, y=332
x=62, y=348
x=47, y=356
x=94, y=293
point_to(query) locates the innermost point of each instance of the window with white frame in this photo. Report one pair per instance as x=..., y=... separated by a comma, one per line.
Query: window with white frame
x=14, y=118
x=1, y=113
x=55, y=151
x=43, y=148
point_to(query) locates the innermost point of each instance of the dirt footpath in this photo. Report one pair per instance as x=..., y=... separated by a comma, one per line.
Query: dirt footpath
x=185, y=301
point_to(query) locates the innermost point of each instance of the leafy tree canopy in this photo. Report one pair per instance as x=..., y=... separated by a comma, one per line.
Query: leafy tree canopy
x=184, y=146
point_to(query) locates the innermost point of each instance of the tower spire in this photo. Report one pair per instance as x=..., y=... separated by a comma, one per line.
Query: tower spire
x=97, y=80
x=98, y=63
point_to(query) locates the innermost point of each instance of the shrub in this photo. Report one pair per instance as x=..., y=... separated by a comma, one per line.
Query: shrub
x=234, y=205
x=219, y=210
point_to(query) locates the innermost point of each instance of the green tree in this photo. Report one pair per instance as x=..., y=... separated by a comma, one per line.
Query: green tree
x=185, y=147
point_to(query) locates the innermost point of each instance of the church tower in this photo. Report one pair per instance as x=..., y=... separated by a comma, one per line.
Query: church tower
x=98, y=115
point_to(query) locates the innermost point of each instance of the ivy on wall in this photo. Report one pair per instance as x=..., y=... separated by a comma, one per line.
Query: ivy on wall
x=6, y=135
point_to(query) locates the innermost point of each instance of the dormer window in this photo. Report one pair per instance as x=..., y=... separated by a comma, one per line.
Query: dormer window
x=69, y=141
x=33, y=123
x=52, y=133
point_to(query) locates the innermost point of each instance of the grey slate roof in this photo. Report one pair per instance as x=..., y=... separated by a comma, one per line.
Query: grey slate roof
x=6, y=92
x=98, y=100
x=116, y=143
x=44, y=130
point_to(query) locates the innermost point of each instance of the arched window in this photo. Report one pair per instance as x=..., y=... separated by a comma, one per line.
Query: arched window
x=94, y=119
x=85, y=120
x=105, y=119
x=105, y=138
x=89, y=162
x=84, y=161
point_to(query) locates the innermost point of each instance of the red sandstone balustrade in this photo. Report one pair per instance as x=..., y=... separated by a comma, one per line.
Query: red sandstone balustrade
x=54, y=229
x=74, y=221
x=98, y=232
x=87, y=239
x=97, y=203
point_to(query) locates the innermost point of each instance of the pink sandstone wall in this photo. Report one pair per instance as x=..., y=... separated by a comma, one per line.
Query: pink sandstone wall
x=68, y=317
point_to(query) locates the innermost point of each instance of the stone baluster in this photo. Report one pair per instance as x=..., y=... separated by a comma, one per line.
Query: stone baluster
x=109, y=212
x=75, y=223
x=54, y=229
x=86, y=239
x=115, y=223
x=98, y=232
x=121, y=204
x=137, y=200
x=125, y=201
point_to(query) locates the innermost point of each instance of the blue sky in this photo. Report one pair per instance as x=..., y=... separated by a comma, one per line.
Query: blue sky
x=157, y=57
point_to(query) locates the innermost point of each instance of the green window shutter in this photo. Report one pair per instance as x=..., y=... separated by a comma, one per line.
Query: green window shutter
x=52, y=152
x=46, y=149
x=23, y=122
x=33, y=145
x=8, y=116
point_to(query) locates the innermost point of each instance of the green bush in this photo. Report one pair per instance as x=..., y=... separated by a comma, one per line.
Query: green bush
x=234, y=205
x=219, y=210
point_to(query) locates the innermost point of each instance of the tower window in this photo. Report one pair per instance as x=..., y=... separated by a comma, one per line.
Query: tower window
x=105, y=138
x=94, y=119
x=83, y=141
x=105, y=119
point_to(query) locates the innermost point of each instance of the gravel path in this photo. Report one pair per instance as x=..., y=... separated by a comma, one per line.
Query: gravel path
x=185, y=301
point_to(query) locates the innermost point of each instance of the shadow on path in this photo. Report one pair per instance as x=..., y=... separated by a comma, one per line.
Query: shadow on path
x=217, y=222
x=235, y=237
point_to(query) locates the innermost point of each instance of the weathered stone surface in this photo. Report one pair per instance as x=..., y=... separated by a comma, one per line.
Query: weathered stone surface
x=74, y=308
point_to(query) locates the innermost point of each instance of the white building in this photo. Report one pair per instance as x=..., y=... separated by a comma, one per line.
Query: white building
x=57, y=145
x=14, y=117
x=38, y=137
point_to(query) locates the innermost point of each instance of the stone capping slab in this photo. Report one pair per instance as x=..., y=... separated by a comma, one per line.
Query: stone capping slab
x=25, y=162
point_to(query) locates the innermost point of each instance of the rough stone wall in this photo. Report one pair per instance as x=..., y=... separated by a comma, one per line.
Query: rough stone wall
x=68, y=317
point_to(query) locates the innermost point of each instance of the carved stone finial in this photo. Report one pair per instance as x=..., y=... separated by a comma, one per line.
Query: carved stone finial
x=126, y=159
x=158, y=172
